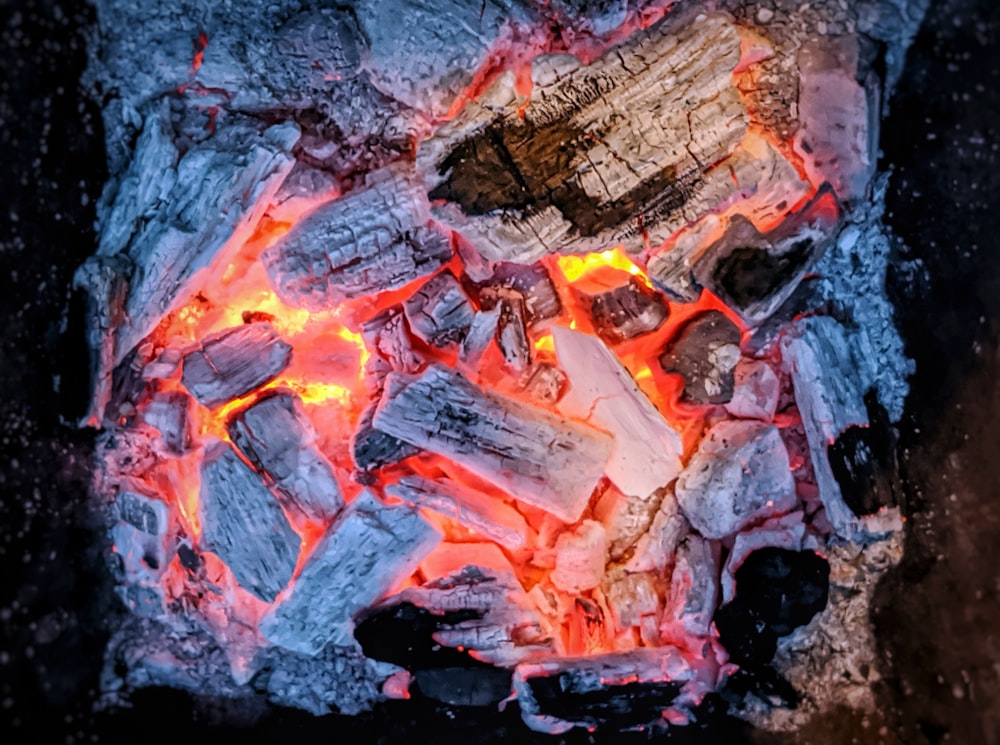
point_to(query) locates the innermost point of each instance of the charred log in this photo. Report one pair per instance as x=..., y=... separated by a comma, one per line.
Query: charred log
x=545, y=461
x=234, y=362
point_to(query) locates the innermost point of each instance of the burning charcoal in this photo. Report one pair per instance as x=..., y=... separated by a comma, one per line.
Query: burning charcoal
x=545, y=382
x=634, y=598
x=375, y=239
x=647, y=450
x=483, y=513
x=512, y=334
x=829, y=379
x=373, y=449
x=481, y=609
x=439, y=312
x=694, y=588
x=243, y=524
x=176, y=212
x=277, y=438
x=168, y=411
x=755, y=391
x=233, y=362
x=481, y=332
x=654, y=551
x=535, y=456
x=705, y=354
x=625, y=518
x=620, y=306
x=739, y=474
x=387, y=334
x=581, y=554
x=565, y=174
x=530, y=282
x=621, y=690
x=369, y=549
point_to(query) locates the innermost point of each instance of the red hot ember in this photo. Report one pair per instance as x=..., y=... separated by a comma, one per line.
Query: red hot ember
x=532, y=372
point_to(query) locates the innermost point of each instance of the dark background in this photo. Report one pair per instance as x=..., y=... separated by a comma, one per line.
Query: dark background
x=937, y=615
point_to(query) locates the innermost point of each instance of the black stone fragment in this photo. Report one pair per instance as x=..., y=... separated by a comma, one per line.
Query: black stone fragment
x=863, y=460
x=705, y=355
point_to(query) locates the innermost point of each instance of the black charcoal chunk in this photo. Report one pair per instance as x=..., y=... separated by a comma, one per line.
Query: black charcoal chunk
x=705, y=355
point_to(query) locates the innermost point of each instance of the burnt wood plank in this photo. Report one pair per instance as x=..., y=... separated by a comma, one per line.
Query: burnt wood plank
x=244, y=525
x=377, y=238
x=233, y=362
x=276, y=436
x=537, y=457
x=369, y=550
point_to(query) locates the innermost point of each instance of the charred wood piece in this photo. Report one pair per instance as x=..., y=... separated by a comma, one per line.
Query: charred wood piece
x=530, y=281
x=634, y=599
x=705, y=355
x=169, y=412
x=439, y=312
x=512, y=333
x=647, y=450
x=694, y=588
x=244, y=525
x=620, y=306
x=544, y=382
x=755, y=391
x=482, y=331
x=175, y=212
x=655, y=549
x=483, y=610
x=388, y=335
x=829, y=377
x=372, y=449
x=483, y=513
x=620, y=689
x=535, y=456
x=581, y=554
x=278, y=439
x=375, y=239
x=570, y=172
x=234, y=362
x=369, y=549
x=142, y=538
x=626, y=517
x=739, y=474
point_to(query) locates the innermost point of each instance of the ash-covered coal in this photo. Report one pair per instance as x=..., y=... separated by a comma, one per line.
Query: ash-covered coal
x=532, y=349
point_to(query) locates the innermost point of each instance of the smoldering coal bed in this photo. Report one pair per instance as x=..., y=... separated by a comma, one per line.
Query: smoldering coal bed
x=522, y=354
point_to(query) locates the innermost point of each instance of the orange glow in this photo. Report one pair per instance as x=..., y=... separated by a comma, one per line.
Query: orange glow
x=575, y=267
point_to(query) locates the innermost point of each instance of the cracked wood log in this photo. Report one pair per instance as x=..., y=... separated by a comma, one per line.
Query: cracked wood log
x=739, y=474
x=439, y=312
x=647, y=450
x=374, y=239
x=368, y=550
x=243, y=524
x=234, y=362
x=539, y=458
x=571, y=171
x=276, y=436
x=484, y=514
